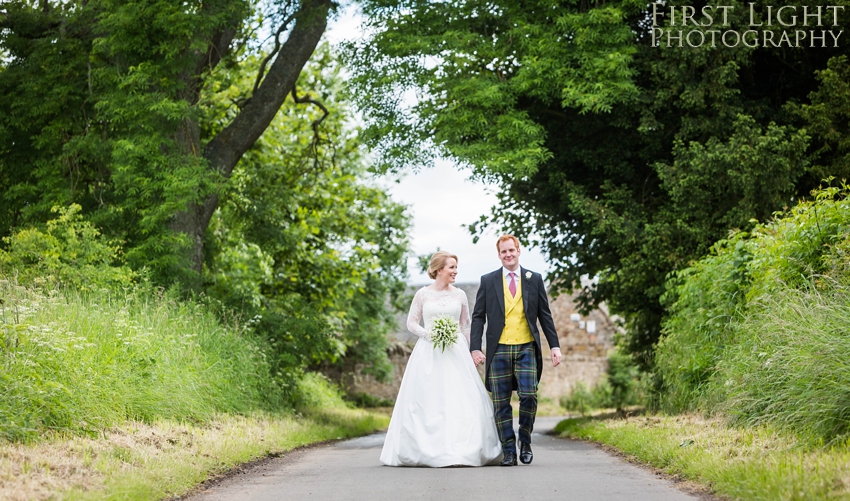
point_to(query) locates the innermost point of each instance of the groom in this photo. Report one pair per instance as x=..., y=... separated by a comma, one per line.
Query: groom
x=511, y=300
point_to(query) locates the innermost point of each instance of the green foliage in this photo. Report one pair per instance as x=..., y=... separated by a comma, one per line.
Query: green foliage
x=315, y=391
x=621, y=387
x=99, y=118
x=113, y=113
x=810, y=239
x=789, y=366
x=755, y=327
x=734, y=179
x=581, y=399
x=303, y=242
x=424, y=261
x=70, y=252
x=705, y=300
x=80, y=362
x=828, y=119
x=490, y=59
x=569, y=426
x=366, y=400
x=622, y=375
x=618, y=159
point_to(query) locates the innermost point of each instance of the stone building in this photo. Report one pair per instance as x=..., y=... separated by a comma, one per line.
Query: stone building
x=585, y=343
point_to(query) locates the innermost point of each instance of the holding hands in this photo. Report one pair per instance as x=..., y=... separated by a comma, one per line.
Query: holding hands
x=478, y=357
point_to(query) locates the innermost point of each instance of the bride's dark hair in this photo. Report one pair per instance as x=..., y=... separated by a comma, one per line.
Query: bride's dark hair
x=438, y=261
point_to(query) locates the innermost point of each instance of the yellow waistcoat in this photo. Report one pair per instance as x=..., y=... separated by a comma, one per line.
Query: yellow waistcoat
x=516, y=329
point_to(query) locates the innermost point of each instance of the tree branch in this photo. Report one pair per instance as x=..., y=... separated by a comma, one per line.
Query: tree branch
x=219, y=47
x=228, y=146
x=307, y=100
x=314, y=145
x=271, y=54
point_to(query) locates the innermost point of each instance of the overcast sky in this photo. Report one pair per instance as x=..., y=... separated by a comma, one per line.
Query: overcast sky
x=441, y=200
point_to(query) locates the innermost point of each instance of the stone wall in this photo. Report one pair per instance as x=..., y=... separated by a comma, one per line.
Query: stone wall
x=585, y=343
x=585, y=353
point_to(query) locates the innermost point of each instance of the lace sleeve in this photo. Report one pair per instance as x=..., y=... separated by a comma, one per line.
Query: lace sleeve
x=465, y=323
x=415, y=316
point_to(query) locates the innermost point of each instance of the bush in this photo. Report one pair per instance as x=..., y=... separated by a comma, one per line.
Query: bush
x=70, y=252
x=757, y=329
x=707, y=301
x=314, y=390
x=365, y=400
x=621, y=387
x=580, y=399
x=622, y=378
x=703, y=303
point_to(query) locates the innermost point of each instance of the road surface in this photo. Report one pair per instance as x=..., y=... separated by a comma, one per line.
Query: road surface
x=349, y=470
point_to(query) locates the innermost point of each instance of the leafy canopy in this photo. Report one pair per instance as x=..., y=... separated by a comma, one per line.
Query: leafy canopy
x=619, y=159
x=116, y=105
x=96, y=119
x=304, y=242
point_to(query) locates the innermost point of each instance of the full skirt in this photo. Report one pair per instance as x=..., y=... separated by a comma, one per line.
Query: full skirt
x=443, y=415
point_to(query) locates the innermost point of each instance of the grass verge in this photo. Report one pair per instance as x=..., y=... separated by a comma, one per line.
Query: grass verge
x=139, y=395
x=757, y=463
x=83, y=362
x=138, y=461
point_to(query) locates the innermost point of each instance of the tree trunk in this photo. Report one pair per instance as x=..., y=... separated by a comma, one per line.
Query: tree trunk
x=188, y=139
x=224, y=151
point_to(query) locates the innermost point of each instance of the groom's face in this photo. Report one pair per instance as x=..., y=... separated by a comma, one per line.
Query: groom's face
x=509, y=254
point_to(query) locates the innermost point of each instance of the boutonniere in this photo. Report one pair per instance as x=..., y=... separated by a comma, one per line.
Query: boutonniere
x=528, y=275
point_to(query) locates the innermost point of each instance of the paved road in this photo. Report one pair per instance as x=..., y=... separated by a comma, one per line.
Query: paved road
x=562, y=469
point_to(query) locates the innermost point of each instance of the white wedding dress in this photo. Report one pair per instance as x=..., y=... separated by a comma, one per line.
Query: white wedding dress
x=443, y=416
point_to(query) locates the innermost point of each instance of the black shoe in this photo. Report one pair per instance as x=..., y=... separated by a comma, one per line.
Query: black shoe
x=525, y=454
x=509, y=459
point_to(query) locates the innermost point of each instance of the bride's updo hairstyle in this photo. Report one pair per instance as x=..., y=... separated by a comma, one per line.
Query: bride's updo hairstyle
x=438, y=262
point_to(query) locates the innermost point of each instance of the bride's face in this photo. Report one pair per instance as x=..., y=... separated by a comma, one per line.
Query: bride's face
x=449, y=271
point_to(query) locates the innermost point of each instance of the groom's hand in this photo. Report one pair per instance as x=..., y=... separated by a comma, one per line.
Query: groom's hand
x=477, y=357
x=556, y=356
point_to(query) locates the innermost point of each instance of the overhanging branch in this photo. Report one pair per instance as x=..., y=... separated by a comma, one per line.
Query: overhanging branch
x=273, y=53
x=307, y=100
x=227, y=147
x=314, y=145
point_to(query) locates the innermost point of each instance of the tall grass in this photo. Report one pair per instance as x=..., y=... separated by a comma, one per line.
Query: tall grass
x=709, y=299
x=759, y=328
x=80, y=362
x=792, y=365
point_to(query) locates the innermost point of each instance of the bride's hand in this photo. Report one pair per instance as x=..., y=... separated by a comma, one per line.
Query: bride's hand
x=477, y=357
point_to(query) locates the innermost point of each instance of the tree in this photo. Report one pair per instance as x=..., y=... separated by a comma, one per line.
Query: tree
x=102, y=108
x=627, y=160
x=304, y=244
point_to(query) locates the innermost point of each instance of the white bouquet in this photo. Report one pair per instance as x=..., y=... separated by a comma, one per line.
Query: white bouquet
x=443, y=332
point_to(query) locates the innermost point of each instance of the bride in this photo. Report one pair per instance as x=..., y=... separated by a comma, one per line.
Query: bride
x=442, y=415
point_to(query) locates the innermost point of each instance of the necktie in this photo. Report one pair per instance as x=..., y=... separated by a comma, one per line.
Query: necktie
x=512, y=285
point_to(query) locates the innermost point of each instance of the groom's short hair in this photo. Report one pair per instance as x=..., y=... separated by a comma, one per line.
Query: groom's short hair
x=505, y=238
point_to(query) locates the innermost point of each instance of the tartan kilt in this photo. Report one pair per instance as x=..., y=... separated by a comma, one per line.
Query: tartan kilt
x=490, y=355
x=514, y=367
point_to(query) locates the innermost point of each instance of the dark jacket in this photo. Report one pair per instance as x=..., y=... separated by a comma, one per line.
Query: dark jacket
x=490, y=308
